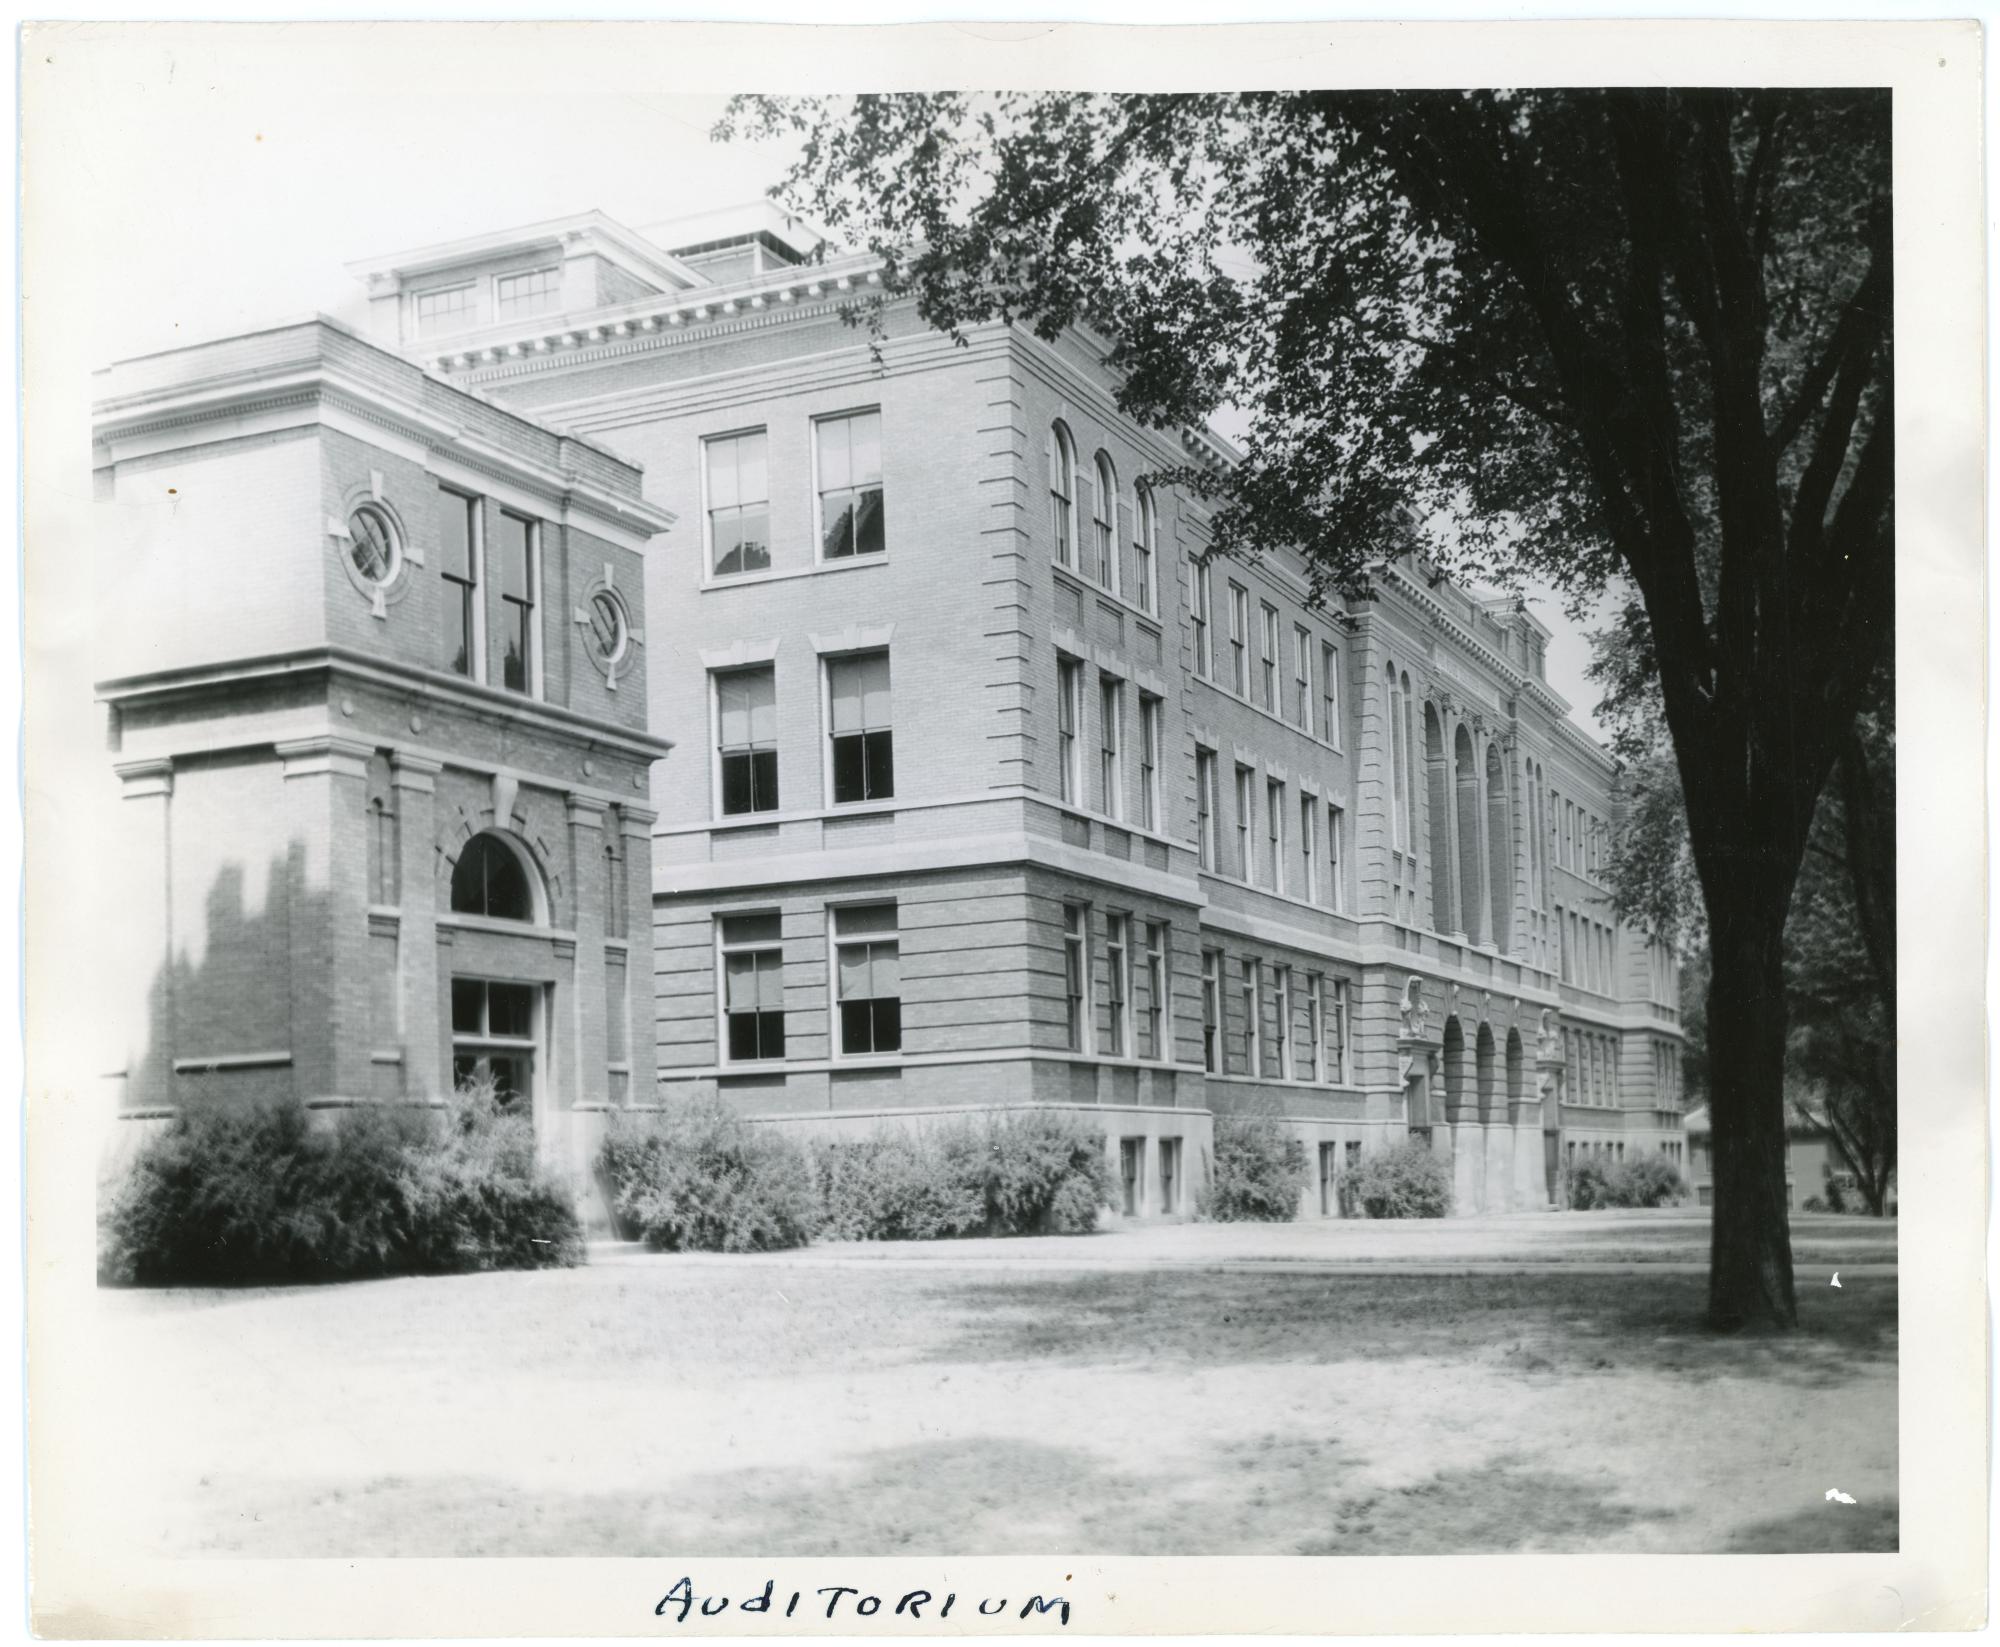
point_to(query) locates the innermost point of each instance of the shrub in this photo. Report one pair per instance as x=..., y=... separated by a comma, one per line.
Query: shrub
x=893, y=1185
x=1813, y=1204
x=1042, y=1172
x=1408, y=1180
x=1647, y=1181
x=1033, y=1172
x=700, y=1178
x=1257, y=1173
x=228, y=1194
x=1588, y=1182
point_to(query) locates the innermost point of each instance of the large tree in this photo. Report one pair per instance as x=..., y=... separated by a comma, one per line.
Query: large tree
x=1569, y=333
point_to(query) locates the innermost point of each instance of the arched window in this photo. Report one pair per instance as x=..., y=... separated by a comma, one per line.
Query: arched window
x=490, y=879
x=1395, y=751
x=1409, y=732
x=1104, y=523
x=1144, y=539
x=1062, y=493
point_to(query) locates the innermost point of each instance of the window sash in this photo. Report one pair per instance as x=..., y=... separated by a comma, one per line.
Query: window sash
x=849, y=455
x=1149, y=761
x=1274, y=830
x=1110, y=715
x=1118, y=985
x=1069, y=710
x=1205, y=803
x=1076, y=974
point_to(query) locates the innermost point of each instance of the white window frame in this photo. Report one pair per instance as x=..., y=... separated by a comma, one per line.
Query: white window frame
x=1111, y=745
x=475, y=554
x=820, y=556
x=1069, y=740
x=1201, y=613
x=1274, y=831
x=1077, y=1026
x=470, y=311
x=834, y=944
x=826, y=665
x=1062, y=511
x=1329, y=693
x=1207, y=798
x=1118, y=984
x=1145, y=550
x=1315, y=1027
x=709, y=574
x=554, y=293
x=1302, y=675
x=1104, y=523
x=533, y=631
x=1212, y=1029
x=1159, y=1004
x=1343, y=1061
x=1281, y=989
x=1336, y=868
x=724, y=948
x=1149, y=761
x=1239, y=641
x=715, y=677
x=1246, y=823
x=1309, y=846
x=1267, y=662
x=1253, y=1014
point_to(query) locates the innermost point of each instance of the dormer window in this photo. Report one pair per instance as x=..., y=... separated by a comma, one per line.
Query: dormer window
x=533, y=293
x=446, y=309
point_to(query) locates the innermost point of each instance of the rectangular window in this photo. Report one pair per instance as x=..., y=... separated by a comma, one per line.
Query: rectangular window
x=739, y=503
x=864, y=754
x=1076, y=975
x=533, y=293
x=850, y=484
x=1204, y=807
x=1110, y=724
x=1104, y=526
x=520, y=581
x=1336, y=876
x=1131, y=1158
x=458, y=566
x=448, y=309
x=1253, y=1014
x=1337, y=1067
x=1274, y=833
x=1308, y=887
x=1211, y=1009
x=1149, y=761
x=1199, y=606
x=1157, y=1019
x=1315, y=1026
x=1268, y=661
x=1170, y=1175
x=1329, y=694
x=1302, y=679
x=1245, y=808
x=1069, y=711
x=1118, y=986
x=1327, y=1179
x=753, y=987
x=1282, y=1023
x=746, y=705
x=868, y=979
x=1239, y=640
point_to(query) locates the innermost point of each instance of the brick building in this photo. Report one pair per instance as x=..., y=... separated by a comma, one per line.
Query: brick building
x=373, y=655
x=997, y=782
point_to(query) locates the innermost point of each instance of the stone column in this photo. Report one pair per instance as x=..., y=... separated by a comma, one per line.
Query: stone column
x=588, y=1007
x=141, y=1042
x=1468, y=1167
x=326, y=798
x=1494, y=1195
x=421, y=1017
x=635, y=824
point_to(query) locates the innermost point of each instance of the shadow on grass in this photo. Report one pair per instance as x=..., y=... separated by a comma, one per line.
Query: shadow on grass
x=1821, y=1528
x=1284, y=1494
x=1544, y=1324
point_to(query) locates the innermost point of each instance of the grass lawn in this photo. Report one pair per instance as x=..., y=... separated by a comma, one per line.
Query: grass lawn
x=656, y=1407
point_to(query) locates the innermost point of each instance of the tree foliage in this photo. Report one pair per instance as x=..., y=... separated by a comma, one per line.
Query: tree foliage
x=1589, y=335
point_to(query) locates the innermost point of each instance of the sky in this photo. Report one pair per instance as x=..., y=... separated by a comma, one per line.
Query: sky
x=224, y=200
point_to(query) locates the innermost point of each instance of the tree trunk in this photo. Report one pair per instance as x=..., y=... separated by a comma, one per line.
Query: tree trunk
x=1750, y=1254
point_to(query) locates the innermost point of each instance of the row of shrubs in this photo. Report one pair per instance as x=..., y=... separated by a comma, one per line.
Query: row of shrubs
x=1643, y=1181
x=258, y=1193
x=702, y=1179
x=1258, y=1175
x=250, y=1193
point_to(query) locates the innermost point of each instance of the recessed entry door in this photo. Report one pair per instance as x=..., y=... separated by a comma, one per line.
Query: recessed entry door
x=1131, y=1153
x=496, y=1034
